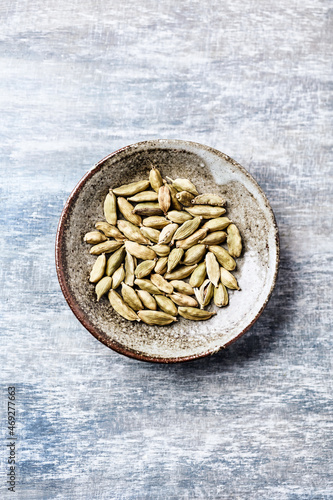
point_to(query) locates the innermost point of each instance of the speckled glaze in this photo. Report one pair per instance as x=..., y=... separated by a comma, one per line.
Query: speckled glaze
x=211, y=171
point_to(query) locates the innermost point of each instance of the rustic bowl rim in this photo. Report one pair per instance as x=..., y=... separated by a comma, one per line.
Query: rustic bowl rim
x=60, y=266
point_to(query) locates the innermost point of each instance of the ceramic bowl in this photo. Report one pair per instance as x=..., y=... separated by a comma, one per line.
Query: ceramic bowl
x=211, y=171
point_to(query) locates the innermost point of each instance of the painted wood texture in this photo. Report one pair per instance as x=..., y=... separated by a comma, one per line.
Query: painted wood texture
x=82, y=79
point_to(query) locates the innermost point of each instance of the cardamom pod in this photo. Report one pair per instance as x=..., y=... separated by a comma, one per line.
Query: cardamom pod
x=156, y=222
x=105, y=247
x=150, y=233
x=178, y=217
x=214, y=238
x=131, y=189
x=148, y=286
x=221, y=298
x=127, y=210
x=194, y=255
x=121, y=307
x=182, y=287
x=184, y=185
x=131, y=298
x=209, y=199
x=180, y=273
x=164, y=198
x=187, y=228
x=213, y=268
x=161, y=265
x=155, y=179
x=191, y=240
x=185, y=198
x=217, y=224
x=115, y=260
x=109, y=230
x=223, y=257
x=198, y=275
x=144, y=196
x=94, y=237
x=183, y=300
x=228, y=279
x=140, y=251
x=174, y=202
x=234, y=241
x=147, y=300
x=147, y=209
x=103, y=286
x=144, y=268
x=167, y=233
x=174, y=258
x=166, y=305
x=118, y=276
x=161, y=250
x=110, y=208
x=206, y=292
x=195, y=314
x=156, y=317
x=161, y=283
x=205, y=211
x=98, y=269
x=132, y=232
x=130, y=265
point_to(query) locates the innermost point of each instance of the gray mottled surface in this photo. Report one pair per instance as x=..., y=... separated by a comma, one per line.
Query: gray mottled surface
x=254, y=80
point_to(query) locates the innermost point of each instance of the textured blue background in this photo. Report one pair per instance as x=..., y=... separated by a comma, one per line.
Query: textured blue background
x=254, y=80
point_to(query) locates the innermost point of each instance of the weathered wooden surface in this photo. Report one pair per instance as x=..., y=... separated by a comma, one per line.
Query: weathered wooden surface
x=80, y=80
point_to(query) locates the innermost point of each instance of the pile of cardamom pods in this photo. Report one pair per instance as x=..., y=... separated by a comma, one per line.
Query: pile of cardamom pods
x=156, y=234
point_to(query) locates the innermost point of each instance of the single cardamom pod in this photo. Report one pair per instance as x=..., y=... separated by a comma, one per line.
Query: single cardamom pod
x=187, y=228
x=214, y=238
x=148, y=286
x=94, y=237
x=205, y=211
x=156, y=317
x=121, y=307
x=108, y=246
x=156, y=222
x=184, y=185
x=166, y=305
x=178, y=217
x=185, y=198
x=103, y=286
x=118, y=276
x=144, y=196
x=114, y=261
x=194, y=255
x=155, y=179
x=140, y=251
x=175, y=257
x=180, y=273
x=217, y=224
x=161, y=250
x=131, y=298
x=198, y=275
x=207, y=292
x=228, y=279
x=167, y=233
x=182, y=287
x=213, y=268
x=221, y=298
x=161, y=283
x=234, y=241
x=209, y=199
x=147, y=209
x=195, y=314
x=174, y=202
x=132, y=232
x=161, y=265
x=110, y=208
x=131, y=189
x=223, y=257
x=150, y=233
x=98, y=269
x=130, y=265
x=127, y=210
x=164, y=198
x=183, y=300
x=109, y=230
x=144, y=268
x=192, y=240
x=147, y=300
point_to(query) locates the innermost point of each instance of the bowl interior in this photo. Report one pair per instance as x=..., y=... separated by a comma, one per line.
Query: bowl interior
x=211, y=171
